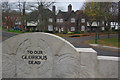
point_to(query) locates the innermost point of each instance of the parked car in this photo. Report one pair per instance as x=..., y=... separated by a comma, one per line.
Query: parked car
x=16, y=28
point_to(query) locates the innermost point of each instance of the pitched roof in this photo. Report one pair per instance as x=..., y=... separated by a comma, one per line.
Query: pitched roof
x=66, y=15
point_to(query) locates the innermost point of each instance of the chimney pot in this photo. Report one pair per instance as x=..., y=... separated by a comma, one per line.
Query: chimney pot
x=53, y=8
x=69, y=7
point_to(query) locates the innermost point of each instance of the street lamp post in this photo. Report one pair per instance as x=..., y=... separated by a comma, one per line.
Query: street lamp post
x=98, y=33
x=96, y=37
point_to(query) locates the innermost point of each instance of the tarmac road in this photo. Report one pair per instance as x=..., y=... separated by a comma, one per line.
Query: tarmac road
x=78, y=42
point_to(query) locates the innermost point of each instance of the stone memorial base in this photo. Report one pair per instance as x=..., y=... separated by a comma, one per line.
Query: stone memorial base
x=43, y=55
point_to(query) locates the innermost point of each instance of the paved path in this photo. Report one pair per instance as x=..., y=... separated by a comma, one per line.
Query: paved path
x=6, y=35
x=78, y=42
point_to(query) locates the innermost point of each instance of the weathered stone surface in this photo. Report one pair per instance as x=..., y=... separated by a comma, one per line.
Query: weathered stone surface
x=108, y=67
x=63, y=61
x=89, y=65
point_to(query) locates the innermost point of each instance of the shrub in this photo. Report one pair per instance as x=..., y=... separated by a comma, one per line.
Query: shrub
x=48, y=31
x=79, y=32
x=70, y=32
x=56, y=31
x=64, y=32
x=75, y=36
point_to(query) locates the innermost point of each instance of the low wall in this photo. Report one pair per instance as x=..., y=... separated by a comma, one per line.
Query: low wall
x=108, y=67
x=98, y=66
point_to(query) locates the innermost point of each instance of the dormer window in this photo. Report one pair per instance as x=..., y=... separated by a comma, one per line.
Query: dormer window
x=82, y=20
x=72, y=20
x=50, y=20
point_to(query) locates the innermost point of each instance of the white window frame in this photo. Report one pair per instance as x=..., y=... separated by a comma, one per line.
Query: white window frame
x=50, y=27
x=62, y=29
x=72, y=28
x=61, y=20
x=106, y=24
x=103, y=22
x=50, y=20
x=82, y=28
x=56, y=28
x=103, y=28
x=83, y=20
x=72, y=20
x=58, y=20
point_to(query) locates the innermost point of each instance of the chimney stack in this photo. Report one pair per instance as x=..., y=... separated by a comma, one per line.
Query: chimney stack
x=53, y=8
x=69, y=7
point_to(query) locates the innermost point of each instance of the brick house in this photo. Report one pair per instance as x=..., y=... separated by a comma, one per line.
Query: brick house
x=74, y=21
x=12, y=20
x=67, y=21
x=51, y=21
x=48, y=21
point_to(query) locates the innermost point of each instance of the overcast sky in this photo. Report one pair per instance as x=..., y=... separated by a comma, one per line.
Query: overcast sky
x=59, y=6
x=64, y=5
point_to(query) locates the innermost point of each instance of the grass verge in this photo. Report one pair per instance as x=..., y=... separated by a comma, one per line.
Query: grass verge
x=14, y=31
x=113, y=42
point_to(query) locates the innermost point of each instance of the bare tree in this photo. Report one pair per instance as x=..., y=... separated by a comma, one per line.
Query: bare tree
x=5, y=11
x=43, y=14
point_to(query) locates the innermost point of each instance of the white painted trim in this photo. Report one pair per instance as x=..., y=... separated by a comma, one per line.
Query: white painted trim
x=86, y=50
x=108, y=58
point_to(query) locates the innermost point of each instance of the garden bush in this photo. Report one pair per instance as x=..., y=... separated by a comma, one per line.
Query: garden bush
x=79, y=32
x=70, y=32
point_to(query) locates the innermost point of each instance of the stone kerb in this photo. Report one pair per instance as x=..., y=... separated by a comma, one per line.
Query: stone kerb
x=39, y=55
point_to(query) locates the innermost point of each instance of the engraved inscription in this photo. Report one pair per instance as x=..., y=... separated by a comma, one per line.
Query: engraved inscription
x=34, y=57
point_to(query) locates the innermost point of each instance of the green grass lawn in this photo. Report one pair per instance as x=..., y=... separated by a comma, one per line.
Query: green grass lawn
x=14, y=31
x=107, y=42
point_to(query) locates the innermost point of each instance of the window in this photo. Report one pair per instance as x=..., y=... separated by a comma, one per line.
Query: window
x=50, y=20
x=72, y=28
x=62, y=29
x=83, y=20
x=102, y=22
x=112, y=23
x=72, y=20
x=106, y=24
x=56, y=28
x=58, y=20
x=61, y=20
x=103, y=28
x=38, y=20
x=50, y=28
x=117, y=24
x=82, y=28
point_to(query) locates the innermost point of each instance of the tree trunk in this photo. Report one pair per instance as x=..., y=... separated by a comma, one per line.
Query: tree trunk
x=90, y=24
x=108, y=29
x=98, y=31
